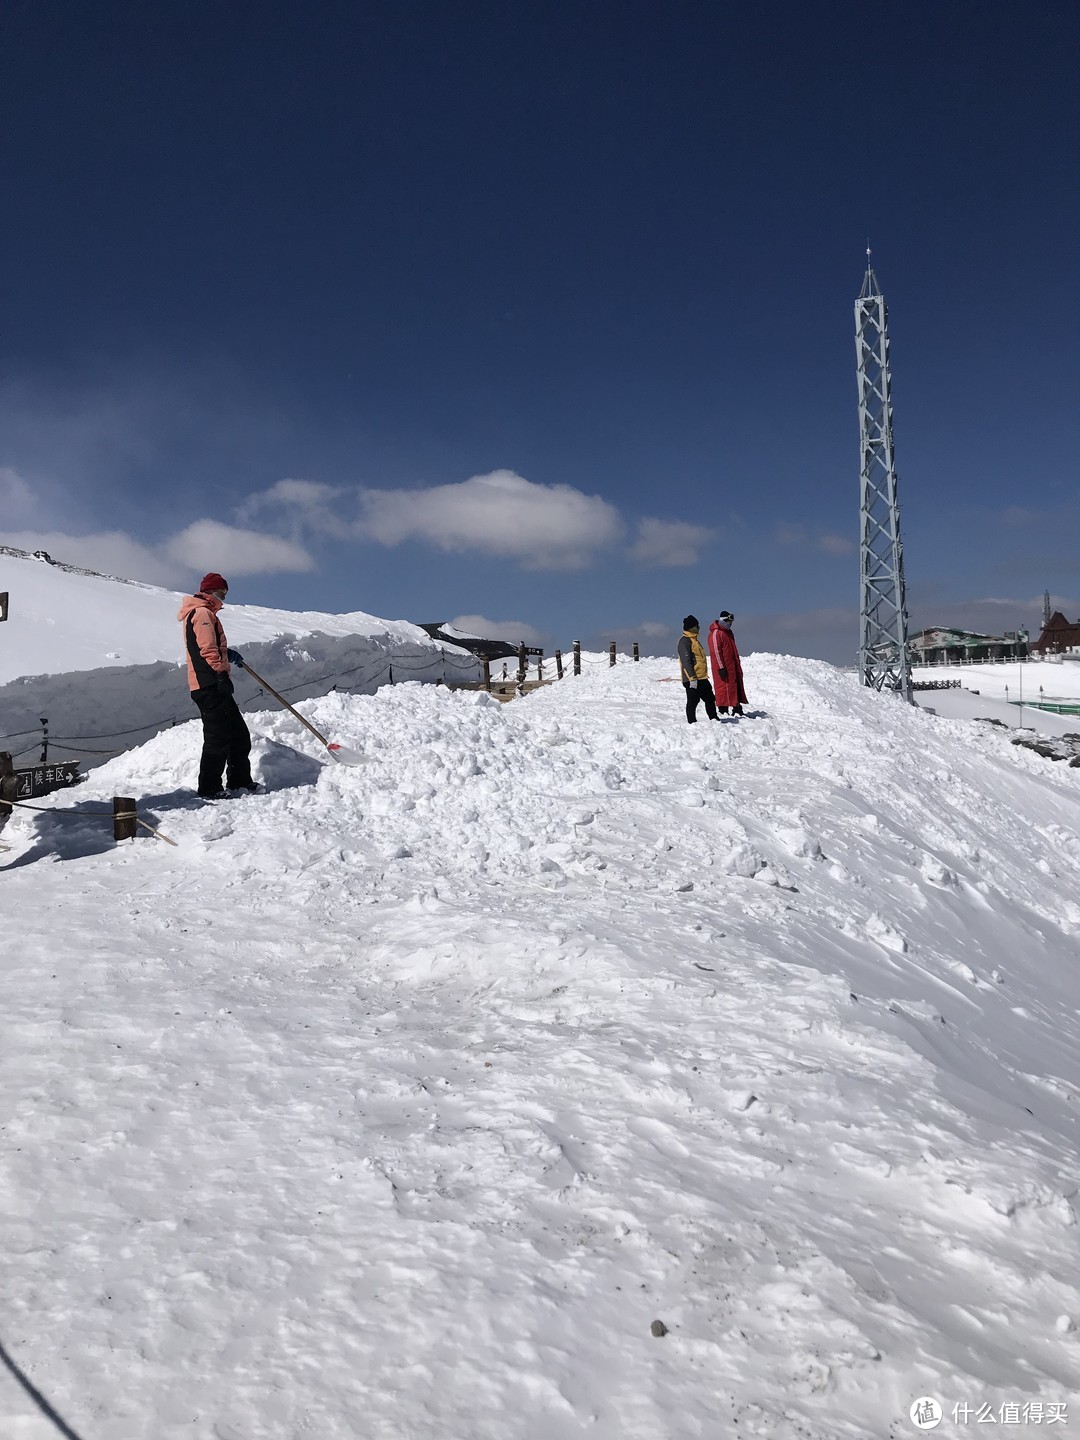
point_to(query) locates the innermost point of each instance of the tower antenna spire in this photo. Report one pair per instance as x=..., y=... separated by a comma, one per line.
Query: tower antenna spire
x=883, y=655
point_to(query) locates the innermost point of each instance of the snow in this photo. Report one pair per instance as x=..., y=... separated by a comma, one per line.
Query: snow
x=1058, y=679
x=102, y=658
x=402, y=1101
x=964, y=705
x=62, y=621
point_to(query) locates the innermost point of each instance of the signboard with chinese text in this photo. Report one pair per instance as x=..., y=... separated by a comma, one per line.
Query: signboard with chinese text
x=42, y=779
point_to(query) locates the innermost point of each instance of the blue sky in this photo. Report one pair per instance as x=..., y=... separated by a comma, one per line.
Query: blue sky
x=542, y=313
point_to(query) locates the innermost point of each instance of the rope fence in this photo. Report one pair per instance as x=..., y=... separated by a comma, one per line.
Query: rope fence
x=382, y=667
x=116, y=815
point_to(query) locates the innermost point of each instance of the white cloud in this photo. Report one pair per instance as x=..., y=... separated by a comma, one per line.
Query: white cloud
x=514, y=632
x=549, y=527
x=307, y=504
x=111, y=553
x=669, y=542
x=824, y=634
x=204, y=545
x=992, y=615
x=210, y=545
x=17, y=502
x=826, y=541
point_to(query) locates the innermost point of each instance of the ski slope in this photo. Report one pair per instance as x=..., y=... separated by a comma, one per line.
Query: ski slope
x=400, y=1102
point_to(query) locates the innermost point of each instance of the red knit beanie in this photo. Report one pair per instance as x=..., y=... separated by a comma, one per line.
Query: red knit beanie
x=213, y=581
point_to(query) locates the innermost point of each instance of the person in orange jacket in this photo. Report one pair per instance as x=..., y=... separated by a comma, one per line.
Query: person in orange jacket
x=726, y=665
x=226, y=738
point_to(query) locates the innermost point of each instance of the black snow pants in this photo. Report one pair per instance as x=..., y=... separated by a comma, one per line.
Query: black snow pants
x=226, y=739
x=704, y=692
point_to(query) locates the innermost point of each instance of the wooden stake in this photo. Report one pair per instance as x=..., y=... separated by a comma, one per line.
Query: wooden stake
x=123, y=827
x=7, y=782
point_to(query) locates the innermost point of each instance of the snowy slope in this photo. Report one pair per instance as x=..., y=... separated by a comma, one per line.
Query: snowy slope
x=103, y=658
x=62, y=621
x=399, y=1102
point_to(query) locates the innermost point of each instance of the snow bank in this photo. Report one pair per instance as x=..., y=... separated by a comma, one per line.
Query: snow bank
x=402, y=1101
x=102, y=659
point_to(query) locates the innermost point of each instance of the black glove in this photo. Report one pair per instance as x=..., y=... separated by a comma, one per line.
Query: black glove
x=723, y=674
x=224, y=684
x=235, y=658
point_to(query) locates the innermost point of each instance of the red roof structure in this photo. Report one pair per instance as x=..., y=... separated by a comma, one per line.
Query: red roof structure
x=1058, y=636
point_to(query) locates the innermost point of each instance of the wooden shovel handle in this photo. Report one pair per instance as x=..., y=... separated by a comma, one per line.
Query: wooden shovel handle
x=282, y=701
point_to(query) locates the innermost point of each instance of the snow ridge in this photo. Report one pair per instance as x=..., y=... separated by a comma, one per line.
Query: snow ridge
x=404, y=1101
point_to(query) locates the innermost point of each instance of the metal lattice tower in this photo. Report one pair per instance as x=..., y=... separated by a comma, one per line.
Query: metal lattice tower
x=883, y=657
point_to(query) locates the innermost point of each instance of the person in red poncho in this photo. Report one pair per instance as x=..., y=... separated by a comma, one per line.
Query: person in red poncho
x=726, y=666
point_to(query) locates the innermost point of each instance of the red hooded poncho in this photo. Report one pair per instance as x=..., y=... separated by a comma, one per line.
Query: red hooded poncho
x=726, y=666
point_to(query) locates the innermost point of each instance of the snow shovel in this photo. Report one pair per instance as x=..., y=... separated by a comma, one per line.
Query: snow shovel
x=341, y=753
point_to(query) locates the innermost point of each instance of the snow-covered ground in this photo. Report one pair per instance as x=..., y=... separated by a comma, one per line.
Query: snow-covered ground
x=1055, y=679
x=400, y=1101
x=1009, y=693
x=965, y=705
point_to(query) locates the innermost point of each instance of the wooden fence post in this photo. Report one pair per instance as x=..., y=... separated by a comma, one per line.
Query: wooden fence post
x=123, y=825
x=7, y=783
x=577, y=657
x=540, y=668
x=611, y=653
x=487, y=674
x=558, y=663
x=637, y=657
x=521, y=667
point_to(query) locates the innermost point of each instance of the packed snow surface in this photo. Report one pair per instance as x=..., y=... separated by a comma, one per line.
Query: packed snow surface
x=401, y=1101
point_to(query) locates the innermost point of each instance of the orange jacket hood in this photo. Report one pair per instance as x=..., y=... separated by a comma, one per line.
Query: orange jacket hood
x=204, y=640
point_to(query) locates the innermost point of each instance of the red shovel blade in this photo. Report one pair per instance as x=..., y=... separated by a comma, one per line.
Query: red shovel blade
x=344, y=756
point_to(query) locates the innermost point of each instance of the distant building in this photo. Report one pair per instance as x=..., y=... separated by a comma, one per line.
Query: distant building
x=446, y=634
x=945, y=645
x=1059, y=637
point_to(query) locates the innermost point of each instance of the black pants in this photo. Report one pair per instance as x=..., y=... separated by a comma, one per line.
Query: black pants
x=226, y=740
x=703, y=692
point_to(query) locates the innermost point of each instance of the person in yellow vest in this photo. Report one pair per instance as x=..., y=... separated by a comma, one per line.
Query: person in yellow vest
x=694, y=671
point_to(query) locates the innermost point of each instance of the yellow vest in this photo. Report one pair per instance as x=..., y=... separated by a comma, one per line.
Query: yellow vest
x=701, y=669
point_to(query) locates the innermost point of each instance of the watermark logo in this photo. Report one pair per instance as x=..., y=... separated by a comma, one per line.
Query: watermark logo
x=926, y=1413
